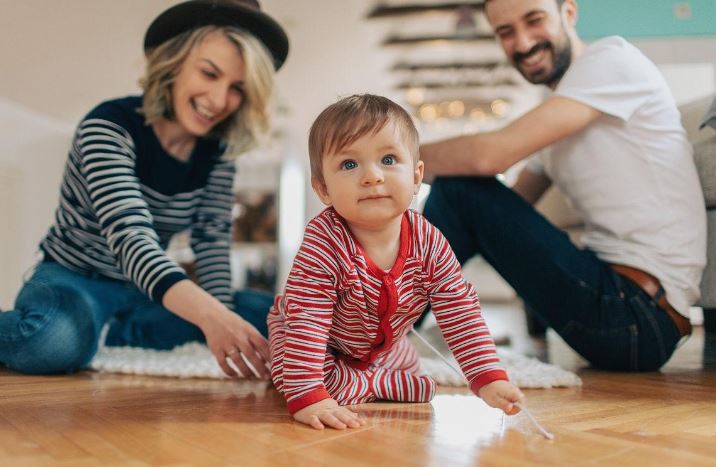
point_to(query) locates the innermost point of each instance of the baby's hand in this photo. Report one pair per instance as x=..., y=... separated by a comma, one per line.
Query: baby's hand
x=502, y=395
x=330, y=413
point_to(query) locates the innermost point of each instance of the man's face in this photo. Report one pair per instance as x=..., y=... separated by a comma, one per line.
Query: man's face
x=532, y=34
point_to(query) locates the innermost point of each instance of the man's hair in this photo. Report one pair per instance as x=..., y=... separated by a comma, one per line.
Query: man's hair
x=250, y=121
x=349, y=119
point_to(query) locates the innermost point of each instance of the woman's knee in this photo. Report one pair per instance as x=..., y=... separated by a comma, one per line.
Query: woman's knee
x=56, y=332
x=254, y=306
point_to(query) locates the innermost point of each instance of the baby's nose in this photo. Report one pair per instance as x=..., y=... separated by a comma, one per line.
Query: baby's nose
x=372, y=176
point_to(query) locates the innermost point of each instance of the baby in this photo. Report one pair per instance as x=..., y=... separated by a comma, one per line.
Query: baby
x=367, y=269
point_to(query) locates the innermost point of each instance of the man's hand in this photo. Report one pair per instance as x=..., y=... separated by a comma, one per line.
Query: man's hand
x=502, y=395
x=328, y=412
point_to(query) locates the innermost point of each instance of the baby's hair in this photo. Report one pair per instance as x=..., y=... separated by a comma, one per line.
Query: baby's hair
x=349, y=119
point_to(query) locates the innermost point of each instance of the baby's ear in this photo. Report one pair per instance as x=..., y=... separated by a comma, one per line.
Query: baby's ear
x=418, y=173
x=321, y=190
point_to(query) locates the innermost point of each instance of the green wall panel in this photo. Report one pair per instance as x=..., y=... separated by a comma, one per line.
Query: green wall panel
x=646, y=18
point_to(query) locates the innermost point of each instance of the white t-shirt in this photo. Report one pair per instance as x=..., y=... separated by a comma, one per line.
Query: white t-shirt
x=631, y=174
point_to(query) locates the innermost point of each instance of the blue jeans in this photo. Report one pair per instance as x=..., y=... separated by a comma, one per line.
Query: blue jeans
x=606, y=318
x=59, y=315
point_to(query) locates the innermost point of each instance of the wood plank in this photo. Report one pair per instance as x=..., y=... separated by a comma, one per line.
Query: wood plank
x=660, y=418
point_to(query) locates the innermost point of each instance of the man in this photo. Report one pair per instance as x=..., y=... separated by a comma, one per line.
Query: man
x=610, y=137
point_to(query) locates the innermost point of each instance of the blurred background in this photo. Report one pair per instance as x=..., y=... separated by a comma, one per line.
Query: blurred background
x=59, y=58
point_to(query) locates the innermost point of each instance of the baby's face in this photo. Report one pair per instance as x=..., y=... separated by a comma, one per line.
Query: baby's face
x=372, y=181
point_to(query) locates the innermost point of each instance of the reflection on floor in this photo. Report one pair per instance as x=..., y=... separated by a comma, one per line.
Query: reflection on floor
x=660, y=418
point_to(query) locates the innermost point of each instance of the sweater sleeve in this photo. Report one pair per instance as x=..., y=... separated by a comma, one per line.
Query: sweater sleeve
x=211, y=234
x=107, y=164
x=308, y=306
x=457, y=312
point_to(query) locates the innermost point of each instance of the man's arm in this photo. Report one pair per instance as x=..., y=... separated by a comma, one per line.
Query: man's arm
x=493, y=152
x=531, y=186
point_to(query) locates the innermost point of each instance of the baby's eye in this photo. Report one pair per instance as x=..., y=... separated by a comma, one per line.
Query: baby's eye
x=348, y=165
x=388, y=160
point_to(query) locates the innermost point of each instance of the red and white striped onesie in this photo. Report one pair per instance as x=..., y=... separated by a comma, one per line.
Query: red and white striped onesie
x=339, y=329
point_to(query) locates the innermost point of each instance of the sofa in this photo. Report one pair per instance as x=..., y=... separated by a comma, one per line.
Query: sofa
x=699, y=119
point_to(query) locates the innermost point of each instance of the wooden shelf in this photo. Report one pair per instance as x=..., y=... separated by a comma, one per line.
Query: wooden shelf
x=449, y=66
x=392, y=11
x=455, y=84
x=422, y=40
x=258, y=246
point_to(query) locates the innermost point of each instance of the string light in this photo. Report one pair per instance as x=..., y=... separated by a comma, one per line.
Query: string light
x=415, y=96
x=499, y=107
x=428, y=112
x=475, y=111
x=456, y=109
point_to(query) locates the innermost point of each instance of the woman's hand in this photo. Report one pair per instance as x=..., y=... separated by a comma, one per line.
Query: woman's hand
x=227, y=335
x=328, y=412
x=502, y=395
x=230, y=337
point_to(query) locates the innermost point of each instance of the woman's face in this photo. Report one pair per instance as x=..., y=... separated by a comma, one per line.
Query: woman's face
x=210, y=84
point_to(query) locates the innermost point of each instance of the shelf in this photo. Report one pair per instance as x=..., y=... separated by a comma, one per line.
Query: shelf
x=392, y=11
x=422, y=40
x=449, y=66
x=254, y=246
x=455, y=84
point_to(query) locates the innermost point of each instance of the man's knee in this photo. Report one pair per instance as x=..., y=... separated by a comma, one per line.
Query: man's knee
x=253, y=306
x=455, y=193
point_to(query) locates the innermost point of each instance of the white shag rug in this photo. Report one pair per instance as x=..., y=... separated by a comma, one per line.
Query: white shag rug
x=194, y=360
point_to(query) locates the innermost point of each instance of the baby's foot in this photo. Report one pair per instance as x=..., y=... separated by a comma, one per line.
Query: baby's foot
x=399, y=385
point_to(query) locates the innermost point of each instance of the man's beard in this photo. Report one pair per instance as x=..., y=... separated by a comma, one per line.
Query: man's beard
x=561, y=59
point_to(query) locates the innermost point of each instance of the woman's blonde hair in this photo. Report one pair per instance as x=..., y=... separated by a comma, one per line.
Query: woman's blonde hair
x=243, y=129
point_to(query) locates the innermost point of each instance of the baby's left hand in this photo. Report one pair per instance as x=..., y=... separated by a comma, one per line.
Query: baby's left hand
x=502, y=395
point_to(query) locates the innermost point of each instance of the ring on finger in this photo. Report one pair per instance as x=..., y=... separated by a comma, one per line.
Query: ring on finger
x=232, y=352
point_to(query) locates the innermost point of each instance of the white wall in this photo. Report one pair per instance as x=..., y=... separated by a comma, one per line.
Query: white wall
x=688, y=64
x=31, y=162
x=61, y=57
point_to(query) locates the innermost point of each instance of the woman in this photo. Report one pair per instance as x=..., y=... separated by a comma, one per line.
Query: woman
x=140, y=170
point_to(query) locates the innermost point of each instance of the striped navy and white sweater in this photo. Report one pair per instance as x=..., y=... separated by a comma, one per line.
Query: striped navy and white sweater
x=123, y=197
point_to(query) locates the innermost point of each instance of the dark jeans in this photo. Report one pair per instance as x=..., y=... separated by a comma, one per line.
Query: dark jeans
x=606, y=318
x=59, y=315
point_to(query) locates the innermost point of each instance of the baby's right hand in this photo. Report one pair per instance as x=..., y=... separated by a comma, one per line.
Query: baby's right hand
x=502, y=395
x=330, y=413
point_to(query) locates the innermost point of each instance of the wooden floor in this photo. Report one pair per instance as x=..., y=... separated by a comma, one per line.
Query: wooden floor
x=665, y=418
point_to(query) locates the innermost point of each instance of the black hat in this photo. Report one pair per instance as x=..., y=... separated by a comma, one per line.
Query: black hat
x=244, y=14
